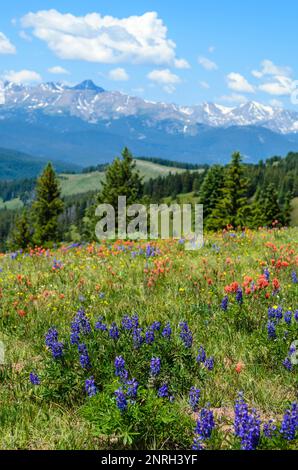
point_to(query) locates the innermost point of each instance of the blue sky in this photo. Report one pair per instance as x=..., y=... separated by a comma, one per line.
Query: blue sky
x=167, y=50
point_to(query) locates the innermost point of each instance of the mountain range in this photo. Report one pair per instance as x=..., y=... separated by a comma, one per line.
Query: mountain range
x=85, y=124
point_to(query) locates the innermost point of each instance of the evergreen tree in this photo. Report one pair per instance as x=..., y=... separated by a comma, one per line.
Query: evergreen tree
x=232, y=206
x=21, y=236
x=270, y=207
x=47, y=207
x=121, y=179
x=210, y=190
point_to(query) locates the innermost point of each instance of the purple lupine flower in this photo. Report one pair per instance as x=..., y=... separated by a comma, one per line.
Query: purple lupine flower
x=287, y=363
x=288, y=317
x=53, y=344
x=137, y=337
x=239, y=296
x=156, y=326
x=289, y=424
x=271, y=330
x=132, y=388
x=114, y=332
x=80, y=325
x=209, y=363
x=84, y=356
x=34, y=379
x=121, y=401
x=224, y=303
x=186, y=334
x=155, y=366
x=269, y=429
x=120, y=370
x=194, y=397
x=167, y=331
x=267, y=274
x=294, y=277
x=90, y=387
x=197, y=443
x=149, y=336
x=247, y=425
x=99, y=325
x=201, y=357
x=205, y=423
x=127, y=323
x=296, y=315
x=163, y=391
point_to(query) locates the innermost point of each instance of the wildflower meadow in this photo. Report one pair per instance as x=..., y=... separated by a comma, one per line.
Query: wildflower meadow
x=144, y=345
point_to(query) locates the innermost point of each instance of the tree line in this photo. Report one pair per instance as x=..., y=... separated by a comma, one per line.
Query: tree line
x=237, y=195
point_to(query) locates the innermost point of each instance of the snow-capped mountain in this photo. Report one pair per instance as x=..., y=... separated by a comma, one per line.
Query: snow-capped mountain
x=92, y=104
x=57, y=120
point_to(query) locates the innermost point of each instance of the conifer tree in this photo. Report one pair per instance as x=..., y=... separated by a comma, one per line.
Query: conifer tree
x=21, y=236
x=232, y=207
x=121, y=179
x=47, y=207
x=270, y=207
x=210, y=190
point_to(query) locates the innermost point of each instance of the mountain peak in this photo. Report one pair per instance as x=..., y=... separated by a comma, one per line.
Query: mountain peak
x=88, y=85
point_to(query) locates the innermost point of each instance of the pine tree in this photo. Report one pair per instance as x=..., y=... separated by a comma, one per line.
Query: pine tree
x=21, y=236
x=121, y=179
x=47, y=207
x=232, y=207
x=270, y=207
x=210, y=191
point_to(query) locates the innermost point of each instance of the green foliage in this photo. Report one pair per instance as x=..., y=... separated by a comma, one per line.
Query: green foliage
x=231, y=207
x=47, y=207
x=21, y=236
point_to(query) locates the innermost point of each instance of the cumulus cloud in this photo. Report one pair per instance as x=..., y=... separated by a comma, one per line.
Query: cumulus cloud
x=58, y=70
x=105, y=39
x=269, y=68
x=238, y=83
x=181, y=64
x=207, y=64
x=280, y=86
x=6, y=47
x=22, y=76
x=166, y=78
x=118, y=74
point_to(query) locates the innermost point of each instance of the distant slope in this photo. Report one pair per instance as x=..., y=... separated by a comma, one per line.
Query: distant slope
x=18, y=165
x=84, y=182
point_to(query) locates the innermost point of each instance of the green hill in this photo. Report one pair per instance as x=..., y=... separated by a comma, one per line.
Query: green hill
x=18, y=165
x=81, y=183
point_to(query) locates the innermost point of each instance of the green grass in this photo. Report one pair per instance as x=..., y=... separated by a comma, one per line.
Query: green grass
x=80, y=183
x=12, y=204
x=173, y=286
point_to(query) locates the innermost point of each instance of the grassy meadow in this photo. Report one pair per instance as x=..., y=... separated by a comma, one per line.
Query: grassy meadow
x=151, y=322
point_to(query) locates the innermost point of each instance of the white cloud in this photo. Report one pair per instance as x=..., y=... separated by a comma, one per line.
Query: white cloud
x=6, y=47
x=181, y=64
x=234, y=98
x=104, y=39
x=238, y=83
x=281, y=86
x=58, y=70
x=118, y=74
x=207, y=64
x=204, y=85
x=23, y=76
x=166, y=78
x=269, y=68
x=211, y=49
